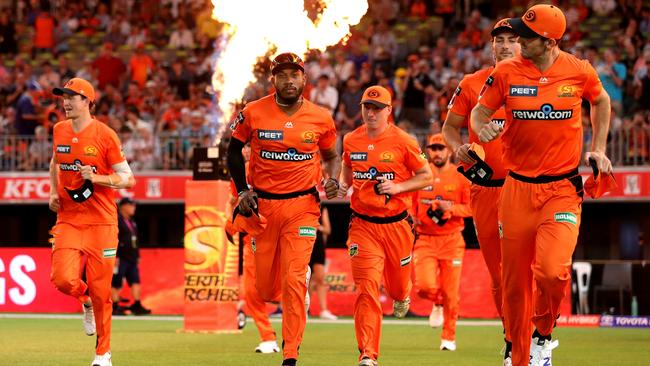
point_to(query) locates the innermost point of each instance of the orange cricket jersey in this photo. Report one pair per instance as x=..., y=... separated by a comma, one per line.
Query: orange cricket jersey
x=98, y=146
x=448, y=185
x=394, y=155
x=285, y=155
x=543, y=130
x=462, y=103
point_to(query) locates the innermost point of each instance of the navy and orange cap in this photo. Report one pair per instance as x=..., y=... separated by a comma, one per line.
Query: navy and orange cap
x=502, y=25
x=541, y=20
x=436, y=140
x=254, y=224
x=377, y=96
x=287, y=60
x=76, y=86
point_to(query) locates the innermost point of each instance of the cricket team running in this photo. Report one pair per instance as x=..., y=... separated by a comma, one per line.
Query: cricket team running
x=525, y=123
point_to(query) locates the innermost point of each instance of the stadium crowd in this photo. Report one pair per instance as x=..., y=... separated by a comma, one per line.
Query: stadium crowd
x=151, y=63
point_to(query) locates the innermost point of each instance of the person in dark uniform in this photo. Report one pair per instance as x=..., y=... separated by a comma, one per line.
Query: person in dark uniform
x=128, y=256
x=317, y=263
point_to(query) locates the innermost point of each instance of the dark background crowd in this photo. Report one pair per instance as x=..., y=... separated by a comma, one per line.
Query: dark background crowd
x=151, y=63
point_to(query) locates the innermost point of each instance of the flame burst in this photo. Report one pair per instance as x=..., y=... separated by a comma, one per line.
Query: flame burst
x=255, y=27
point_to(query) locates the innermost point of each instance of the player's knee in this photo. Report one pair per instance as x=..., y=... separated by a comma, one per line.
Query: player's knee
x=428, y=293
x=551, y=276
x=66, y=284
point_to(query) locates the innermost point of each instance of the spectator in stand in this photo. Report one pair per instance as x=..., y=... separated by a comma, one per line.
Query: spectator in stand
x=136, y=37
x=612, y=74
x=179, y=79
x=348, y=116
x=114, y=35
x=140, y=66
x=197, y=134
x=8, y=36
x=128, y=144
x=49, y=78
x=158, y=35
x=440, y=73
x=603, y=7
x=181, y=37
x=319, y=67
x=418, y=9
x=638, y=139
x=39, y=152
x=324, y=94
x=383, y=40
x=343, y=68
x=44, y=32
x=28, y=111
x=417, y=86
x=108, y=68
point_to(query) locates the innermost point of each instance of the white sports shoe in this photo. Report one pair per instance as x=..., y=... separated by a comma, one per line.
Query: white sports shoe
x=307, y=297
x=540, y=352
x=267, y=347
x=367, y=362
x=326, y=314
x=400, y=308
x=88, y=319
x=446, y=345
x=102, y=360
x=507, y=360
x=436, y=318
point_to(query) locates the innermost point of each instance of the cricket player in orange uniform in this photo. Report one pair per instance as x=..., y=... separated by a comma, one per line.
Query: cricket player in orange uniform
x=86, y=166
x=440, y=210
x=383, y=164
x=485, y=194
x=288, y=135
x=540, y=205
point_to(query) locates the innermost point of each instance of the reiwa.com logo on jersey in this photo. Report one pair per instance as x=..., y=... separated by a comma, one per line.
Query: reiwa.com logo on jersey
x=372, y=173
x=546, y=112
x=290, y=155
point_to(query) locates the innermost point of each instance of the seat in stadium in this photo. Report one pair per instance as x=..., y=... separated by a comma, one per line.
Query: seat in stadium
x=616, y=277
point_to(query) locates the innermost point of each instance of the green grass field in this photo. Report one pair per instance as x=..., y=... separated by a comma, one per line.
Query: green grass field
x=62, y=342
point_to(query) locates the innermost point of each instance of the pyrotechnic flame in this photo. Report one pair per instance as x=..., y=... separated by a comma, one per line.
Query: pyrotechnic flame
x=256, y=27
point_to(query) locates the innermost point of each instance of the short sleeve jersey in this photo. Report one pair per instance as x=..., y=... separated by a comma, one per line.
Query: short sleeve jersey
x=448, y=185
x=463, y=101
x=285, y=155
x=543, y=130
x=394, y=155
x=98, y=146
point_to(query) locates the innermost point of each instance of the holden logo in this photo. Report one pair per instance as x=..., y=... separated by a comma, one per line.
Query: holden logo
x=373, y=94
x=530, y=16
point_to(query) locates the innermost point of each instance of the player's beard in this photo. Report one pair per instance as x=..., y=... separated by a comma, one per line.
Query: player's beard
x=439, y=162
x=282, y=98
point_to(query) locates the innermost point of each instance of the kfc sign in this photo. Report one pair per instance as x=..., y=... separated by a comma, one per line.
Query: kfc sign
x=25, y=189
x=16, y=285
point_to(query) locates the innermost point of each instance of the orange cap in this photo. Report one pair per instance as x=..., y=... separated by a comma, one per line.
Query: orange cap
x=541, y=20
x=436, y=139
x=502, y=25
x=254, y=224
x=377, y=95
x=602, y=184
x=76, y=86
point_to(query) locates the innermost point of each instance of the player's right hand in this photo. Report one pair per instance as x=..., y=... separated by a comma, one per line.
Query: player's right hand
x=54, y=202
x=247, y=202
x=343, y=190
x=463, y=155
x=490, y=132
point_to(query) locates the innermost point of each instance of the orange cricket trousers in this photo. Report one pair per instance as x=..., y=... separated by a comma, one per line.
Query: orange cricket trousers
x=539, y=224
x=99, y=244
x=282, y=255
x=438, y=262
x=254, y=302
x=485, y=202
x=377, y=250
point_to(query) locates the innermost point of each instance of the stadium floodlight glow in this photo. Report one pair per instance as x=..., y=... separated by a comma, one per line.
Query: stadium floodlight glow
x=254, y=28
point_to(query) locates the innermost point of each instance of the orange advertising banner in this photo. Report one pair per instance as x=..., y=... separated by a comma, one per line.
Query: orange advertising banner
x=211, y=285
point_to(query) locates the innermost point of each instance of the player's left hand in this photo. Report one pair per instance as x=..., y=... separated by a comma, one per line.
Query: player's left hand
x=388, y=186
x=86, y=172
x=331, y=188
x=444, y=205
x=604, y=165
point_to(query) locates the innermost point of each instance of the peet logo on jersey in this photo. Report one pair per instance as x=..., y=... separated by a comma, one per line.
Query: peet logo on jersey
x=289, y=155
x=273, y=135
x=567, y=91
x=545, y=113
x=63, y=149
x=372, y=173
x=358, y=156
x=309, y=137
x=523, y=91
x=499, y=122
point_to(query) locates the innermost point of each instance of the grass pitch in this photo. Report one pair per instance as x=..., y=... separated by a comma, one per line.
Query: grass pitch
x=60, y=342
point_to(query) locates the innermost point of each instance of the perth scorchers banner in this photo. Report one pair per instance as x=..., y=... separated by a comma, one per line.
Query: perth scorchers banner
x=211, y=285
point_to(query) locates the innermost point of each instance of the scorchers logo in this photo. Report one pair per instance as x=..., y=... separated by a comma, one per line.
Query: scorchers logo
x=290, y=155
x=546, y=112
x=372, y=173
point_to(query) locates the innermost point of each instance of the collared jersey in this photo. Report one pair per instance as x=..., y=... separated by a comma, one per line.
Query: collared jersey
x=394, y=155
x=447, y=185
x=285, y=153
x=463, y=101
x=96, y=145
x=543, y=131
